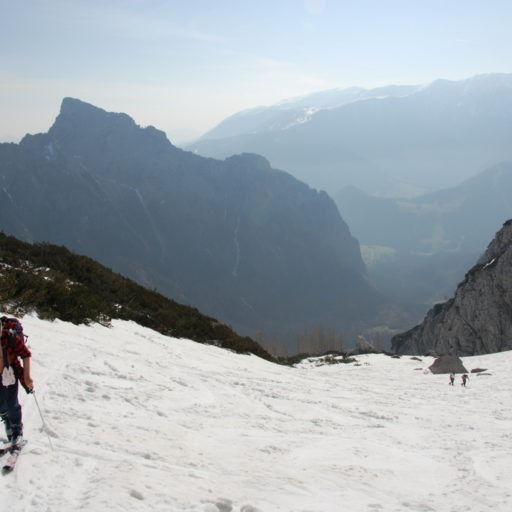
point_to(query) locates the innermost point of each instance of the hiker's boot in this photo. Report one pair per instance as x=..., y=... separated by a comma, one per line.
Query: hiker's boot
x=7, y=425
x=17, y=442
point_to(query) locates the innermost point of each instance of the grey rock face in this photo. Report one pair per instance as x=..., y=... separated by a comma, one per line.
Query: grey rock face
x=478, y=319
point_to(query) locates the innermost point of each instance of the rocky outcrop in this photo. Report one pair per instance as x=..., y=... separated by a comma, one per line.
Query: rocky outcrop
x=478, y=319
x=447, y=364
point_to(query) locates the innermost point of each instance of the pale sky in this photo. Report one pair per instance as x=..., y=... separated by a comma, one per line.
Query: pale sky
x=185, y=65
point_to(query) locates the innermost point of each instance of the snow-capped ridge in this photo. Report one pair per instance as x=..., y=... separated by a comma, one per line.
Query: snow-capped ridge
x=298, y=110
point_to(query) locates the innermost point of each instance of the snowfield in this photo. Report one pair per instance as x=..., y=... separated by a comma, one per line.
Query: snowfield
x=142, y=422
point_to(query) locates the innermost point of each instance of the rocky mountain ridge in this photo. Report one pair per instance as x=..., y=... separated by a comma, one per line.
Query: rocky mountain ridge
x=478, y=319
x=244, y=243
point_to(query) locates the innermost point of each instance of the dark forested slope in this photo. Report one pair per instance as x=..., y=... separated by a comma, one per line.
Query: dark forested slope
x=58, y=284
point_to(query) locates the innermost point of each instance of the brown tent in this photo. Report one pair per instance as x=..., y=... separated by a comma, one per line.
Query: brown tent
x=448, y=364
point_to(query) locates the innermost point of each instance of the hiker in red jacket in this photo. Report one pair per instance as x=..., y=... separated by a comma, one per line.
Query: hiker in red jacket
x=12, y=372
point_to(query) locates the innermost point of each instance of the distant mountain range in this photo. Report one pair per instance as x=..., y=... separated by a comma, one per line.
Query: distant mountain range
x=299, y=110
x=477, y=320
x=244, y=243
x=392, y=141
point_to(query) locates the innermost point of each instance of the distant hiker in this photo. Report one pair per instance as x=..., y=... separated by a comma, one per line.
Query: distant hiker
x=12, y=372
x=464, y=379
x=452, y=379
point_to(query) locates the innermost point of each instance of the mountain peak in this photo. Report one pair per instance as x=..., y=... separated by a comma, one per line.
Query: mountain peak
x=82, y=128
x=78, y=112
x=74, y=105
x=250, y=160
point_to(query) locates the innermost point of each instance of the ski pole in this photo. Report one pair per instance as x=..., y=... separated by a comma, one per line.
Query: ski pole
x=42, y=419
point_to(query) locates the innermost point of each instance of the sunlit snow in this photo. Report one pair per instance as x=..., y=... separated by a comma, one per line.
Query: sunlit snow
x=141, y=422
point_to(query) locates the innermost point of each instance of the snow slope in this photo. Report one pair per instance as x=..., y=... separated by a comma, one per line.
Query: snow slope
x=141, y=422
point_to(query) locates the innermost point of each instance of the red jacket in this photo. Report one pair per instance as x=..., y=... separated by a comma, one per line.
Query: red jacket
x=15, y=349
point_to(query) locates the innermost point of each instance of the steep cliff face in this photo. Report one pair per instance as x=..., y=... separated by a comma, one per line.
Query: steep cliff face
x=478, y=319
x=241, y=241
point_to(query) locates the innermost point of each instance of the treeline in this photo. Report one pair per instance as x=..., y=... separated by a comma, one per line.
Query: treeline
x=319, y=341
x=58, y=284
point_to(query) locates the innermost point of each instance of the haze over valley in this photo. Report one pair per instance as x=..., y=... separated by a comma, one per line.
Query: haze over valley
x=421, y=174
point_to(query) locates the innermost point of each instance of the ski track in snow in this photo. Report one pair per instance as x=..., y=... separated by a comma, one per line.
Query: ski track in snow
x=141, y=422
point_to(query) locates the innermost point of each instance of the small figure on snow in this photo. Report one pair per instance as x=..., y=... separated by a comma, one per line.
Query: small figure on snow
x=464, y=379
x=452, y=378
x=12, y=372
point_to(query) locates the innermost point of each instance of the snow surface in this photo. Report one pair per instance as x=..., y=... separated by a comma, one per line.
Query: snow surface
x=142, y=422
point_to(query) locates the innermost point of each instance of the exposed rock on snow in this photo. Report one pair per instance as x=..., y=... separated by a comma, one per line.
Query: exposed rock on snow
x=448, y=364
